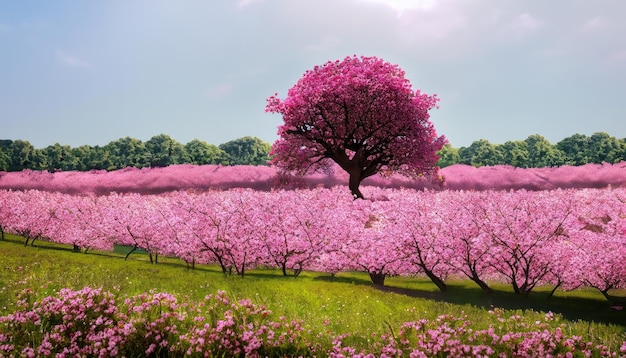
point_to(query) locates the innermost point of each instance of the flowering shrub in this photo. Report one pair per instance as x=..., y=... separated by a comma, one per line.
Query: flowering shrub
x=222, y=327
x=70, y=323
x=92, y=322
x=450, y=336
x=96, y=323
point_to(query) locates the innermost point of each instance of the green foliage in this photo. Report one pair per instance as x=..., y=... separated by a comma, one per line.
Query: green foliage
x=159, y=151
x=480, y=153
x=575, y=149
x=537, y=152
x=127, y=152
x=200, y=152
x=541, y=153
x=22, y=155
x=448, y=155
x=604, y=148
x=516, y=153
x=163, y=151
x=5, y=160
x=56, y=157
x=246, y=151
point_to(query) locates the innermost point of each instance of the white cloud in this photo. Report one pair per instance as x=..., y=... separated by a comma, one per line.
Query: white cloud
x=400, y=6
x=594, y=24
x=522, y=26
x=220, y=91
x=245, y=3
x=71, y=60
x=527, y=22
x=433, y=26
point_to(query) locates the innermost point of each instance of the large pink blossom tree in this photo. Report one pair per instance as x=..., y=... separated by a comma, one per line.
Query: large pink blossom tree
x=361, y=113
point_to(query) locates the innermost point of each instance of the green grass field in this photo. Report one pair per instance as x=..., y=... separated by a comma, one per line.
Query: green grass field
x=345, y=303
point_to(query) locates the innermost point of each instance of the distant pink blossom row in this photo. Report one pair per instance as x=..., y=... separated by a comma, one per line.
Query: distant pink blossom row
x=564, y=238
x=205, y=177
x=93, y=322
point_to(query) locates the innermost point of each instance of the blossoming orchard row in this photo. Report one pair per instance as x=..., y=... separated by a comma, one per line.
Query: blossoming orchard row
x=564, y=238
x=266, y=178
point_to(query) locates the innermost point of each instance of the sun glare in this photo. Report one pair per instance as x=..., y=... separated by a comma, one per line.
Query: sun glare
x=403, y=5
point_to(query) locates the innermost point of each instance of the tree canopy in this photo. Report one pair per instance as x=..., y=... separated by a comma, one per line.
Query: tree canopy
x=537, y=152
x=159, y=151
x=246, y=150
x=360, y=113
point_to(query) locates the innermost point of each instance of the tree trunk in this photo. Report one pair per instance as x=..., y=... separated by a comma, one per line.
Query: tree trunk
x=1, y=233
x=191, y=265
x=614, y=300
x=378, y=278
x=130, y=252
x=243, y=265
x=525, y=289
x=436, y=280
x=516, y=288
x=482, y=284
x=556, y=287
x=297, y=271
x=354, y=183
x=219, y=259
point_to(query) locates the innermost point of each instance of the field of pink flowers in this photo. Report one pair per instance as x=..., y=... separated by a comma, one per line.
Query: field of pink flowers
x=204, y=177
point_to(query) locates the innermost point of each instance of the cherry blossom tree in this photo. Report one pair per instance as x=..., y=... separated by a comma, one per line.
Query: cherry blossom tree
x=31, y=214
x=603, y=236
x=419, y=226
x=368, y=245
x=292, y=233
x=463, y=226
x=77, y=222
x=361, y=113
x=6, y=212
x=205, y=227
x=222, y=225
x=524, y=227
x=136, y=220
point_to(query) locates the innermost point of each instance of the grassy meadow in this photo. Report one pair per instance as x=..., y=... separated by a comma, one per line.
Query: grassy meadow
x=346, y=303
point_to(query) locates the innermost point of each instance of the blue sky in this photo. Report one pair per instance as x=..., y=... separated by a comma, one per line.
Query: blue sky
x=89, y=72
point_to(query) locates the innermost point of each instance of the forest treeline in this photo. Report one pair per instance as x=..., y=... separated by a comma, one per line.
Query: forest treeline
x=161, y=151
x=537, y=152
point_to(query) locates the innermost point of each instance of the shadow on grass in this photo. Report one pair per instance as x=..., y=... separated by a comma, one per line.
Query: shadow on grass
x=571, y=307
x=590, y=306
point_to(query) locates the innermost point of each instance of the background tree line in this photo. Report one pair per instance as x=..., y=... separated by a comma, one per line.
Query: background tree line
x=537, y=152
x=161, y=150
